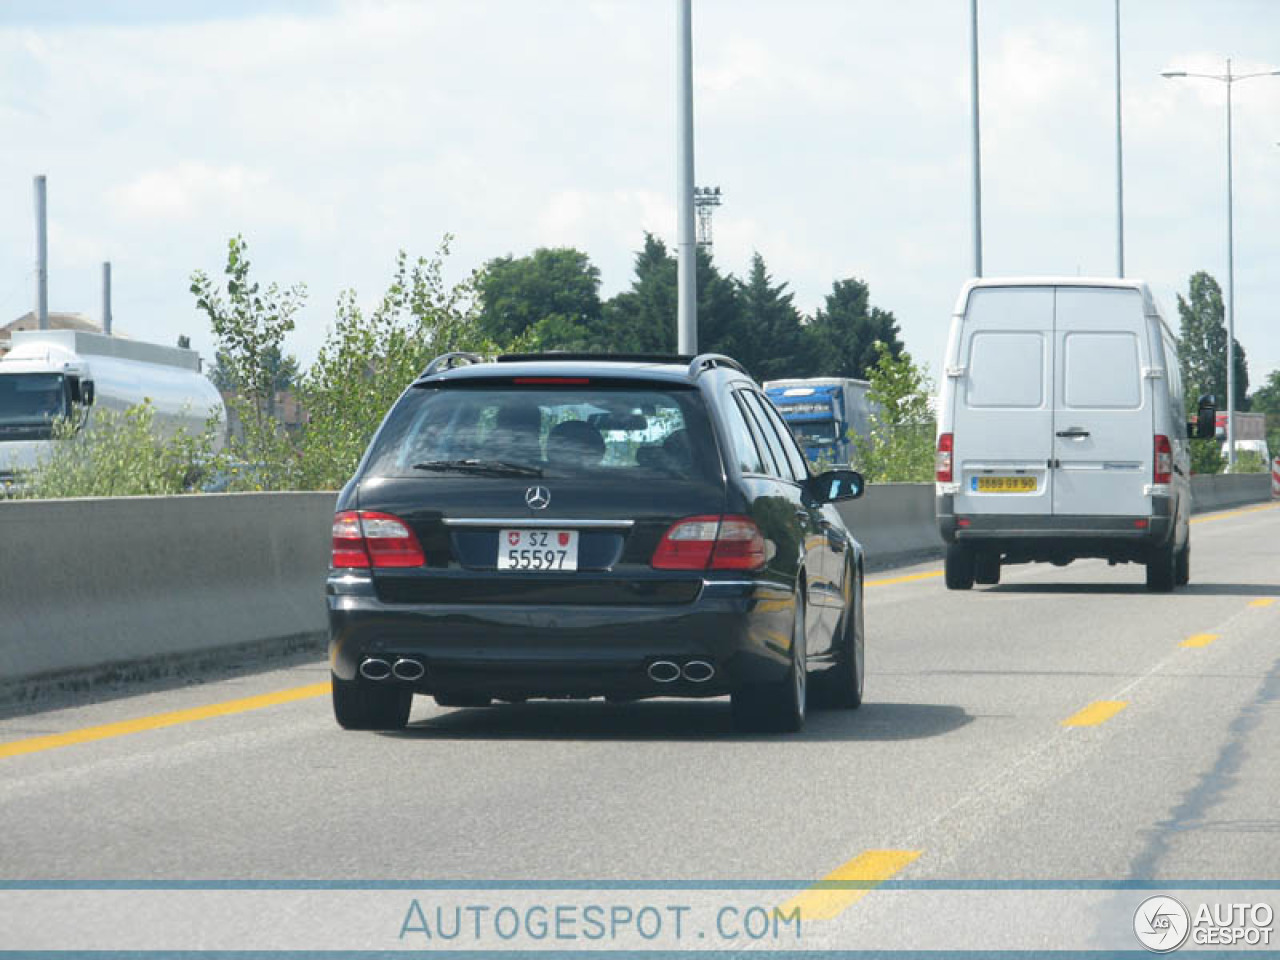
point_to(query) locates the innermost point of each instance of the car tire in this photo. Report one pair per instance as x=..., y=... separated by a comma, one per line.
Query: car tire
x=841, y=686
x=1182, y=576
x=777, y=707
x=959, y=567
x=360, y=705
x=462, y=699
x=986, y=568
x=1162, y=572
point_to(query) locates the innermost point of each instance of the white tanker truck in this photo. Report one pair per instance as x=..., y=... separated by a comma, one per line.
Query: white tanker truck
x=48, y=371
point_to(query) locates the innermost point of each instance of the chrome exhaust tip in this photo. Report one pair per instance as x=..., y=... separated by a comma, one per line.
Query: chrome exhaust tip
x=663, y=671
x=698, y=671
x=405, y=669
x=374, y=668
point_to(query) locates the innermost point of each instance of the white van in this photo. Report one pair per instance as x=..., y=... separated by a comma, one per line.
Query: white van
x=1061, y=432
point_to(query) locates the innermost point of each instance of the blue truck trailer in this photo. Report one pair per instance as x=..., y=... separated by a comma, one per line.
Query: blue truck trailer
x=823, y=413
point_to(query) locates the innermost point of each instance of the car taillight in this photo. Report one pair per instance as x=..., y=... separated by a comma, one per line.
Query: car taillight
x=363, y=538
x=1163, y=472
x=942, y=460
x=711, y=543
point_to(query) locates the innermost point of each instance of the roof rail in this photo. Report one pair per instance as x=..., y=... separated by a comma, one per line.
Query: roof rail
x=708, y=361
x=595, y=357
x=447, y=361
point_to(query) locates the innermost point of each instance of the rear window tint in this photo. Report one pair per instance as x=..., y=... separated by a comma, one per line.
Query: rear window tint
x=562, y=431
x=1100, y=371
x=1006, y=369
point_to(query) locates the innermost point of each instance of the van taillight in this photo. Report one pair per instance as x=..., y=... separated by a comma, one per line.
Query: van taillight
x=1163, y=471
x=942, y=461
x=363, y=538
x=711, y=542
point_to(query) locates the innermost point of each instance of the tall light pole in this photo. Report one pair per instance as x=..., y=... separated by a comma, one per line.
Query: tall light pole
x=975, y=140
x=686, y=243
x=1119, y=160
x=1228, y=78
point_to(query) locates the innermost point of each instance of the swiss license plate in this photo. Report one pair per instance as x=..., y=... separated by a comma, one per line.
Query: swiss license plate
x=552, y=550
x=1004, y=484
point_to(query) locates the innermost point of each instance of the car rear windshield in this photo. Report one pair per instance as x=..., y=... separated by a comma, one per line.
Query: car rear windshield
x=624, y=432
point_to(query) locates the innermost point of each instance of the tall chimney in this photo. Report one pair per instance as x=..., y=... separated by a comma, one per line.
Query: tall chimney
x=106, y=298
x=42, y=256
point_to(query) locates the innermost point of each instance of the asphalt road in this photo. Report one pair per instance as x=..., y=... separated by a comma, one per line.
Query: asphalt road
x=960, y=756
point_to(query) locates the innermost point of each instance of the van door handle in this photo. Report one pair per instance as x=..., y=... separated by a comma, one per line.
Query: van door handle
x=1075, y=433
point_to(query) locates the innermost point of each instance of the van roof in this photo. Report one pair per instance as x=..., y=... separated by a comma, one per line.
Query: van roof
x=1117, y=283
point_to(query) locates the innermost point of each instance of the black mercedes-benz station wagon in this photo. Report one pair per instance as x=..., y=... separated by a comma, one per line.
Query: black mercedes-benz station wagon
x=575, y=526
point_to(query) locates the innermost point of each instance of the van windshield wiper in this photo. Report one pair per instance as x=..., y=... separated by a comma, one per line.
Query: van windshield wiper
x=493, y=468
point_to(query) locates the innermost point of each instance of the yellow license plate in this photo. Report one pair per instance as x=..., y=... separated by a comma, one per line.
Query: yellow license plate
x=1004, y=484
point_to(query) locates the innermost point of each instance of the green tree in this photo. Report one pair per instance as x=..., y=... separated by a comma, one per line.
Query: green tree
x=250, y=324
x=554, y=293
x=1266, y=400
x=900, y=444
x=843, y=337
x=1203, y=346
x=368, y=359
x=769, y=335
x=643, y=318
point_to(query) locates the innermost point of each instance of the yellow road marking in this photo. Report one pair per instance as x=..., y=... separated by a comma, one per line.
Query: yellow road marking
x=1233, y=513
x=1100, y=711
x=1199, y=640
x=848, y=883
x=124, y=727
x=907, y=579
x=1263, y=602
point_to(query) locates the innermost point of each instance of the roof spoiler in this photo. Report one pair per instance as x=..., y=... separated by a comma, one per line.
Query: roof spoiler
x=447, y=361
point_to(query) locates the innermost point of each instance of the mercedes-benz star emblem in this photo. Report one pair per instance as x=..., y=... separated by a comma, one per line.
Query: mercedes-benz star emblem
x=537, y=498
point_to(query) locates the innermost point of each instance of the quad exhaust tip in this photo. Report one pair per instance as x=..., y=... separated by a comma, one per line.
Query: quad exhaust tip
x=664, y=671
x=406, y=669
x=698, y=671
x=375, y=668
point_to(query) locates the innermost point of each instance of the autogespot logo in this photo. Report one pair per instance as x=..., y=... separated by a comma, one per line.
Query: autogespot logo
x=1161, y=924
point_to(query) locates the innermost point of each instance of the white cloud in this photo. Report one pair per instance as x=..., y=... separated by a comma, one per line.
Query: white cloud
x=186, y=191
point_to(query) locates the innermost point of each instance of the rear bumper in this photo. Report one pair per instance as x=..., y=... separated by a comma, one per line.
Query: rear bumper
x=1052, y=537
x=743, y=628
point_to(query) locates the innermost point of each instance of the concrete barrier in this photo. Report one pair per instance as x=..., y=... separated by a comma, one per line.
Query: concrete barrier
x=1219, y=491
x=133, y=587
x=894, y=522
x=100, y=589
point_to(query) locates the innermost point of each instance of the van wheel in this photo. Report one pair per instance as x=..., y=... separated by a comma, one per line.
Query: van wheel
x=959, y=567
x=359, y=705
x=1162, y=570
x=1182, y=576
x=777, y=707
x=986, y=568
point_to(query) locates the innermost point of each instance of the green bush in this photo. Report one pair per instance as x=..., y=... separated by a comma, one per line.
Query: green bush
x=900, y=444
x=120, y=455
x=1250, y=461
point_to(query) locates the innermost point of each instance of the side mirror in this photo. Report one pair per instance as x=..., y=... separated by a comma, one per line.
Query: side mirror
x=832, y=486
x=87, y=393
x=1206, y=419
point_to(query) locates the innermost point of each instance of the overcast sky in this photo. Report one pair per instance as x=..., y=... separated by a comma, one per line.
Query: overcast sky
x=332, y=134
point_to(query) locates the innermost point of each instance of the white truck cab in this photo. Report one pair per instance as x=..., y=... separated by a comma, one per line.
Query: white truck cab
x=51, y=373
x=1061, y=430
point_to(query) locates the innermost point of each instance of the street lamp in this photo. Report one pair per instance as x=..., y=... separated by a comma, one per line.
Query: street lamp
x=1228, y=78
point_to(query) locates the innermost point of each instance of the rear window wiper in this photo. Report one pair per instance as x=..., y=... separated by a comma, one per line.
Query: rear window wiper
x=493, y=468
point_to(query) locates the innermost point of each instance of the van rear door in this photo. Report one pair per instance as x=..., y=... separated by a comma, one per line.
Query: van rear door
x=1103, y=404
x=1003, y=402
